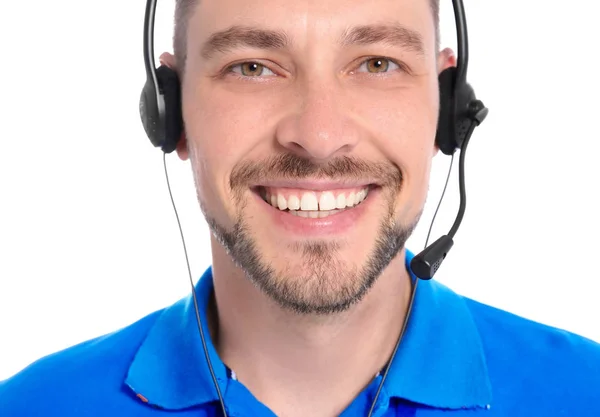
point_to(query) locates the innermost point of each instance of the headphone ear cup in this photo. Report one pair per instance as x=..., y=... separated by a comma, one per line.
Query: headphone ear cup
x=172, y=117
x=150, y=114
x=460, y=112
x=445, y=136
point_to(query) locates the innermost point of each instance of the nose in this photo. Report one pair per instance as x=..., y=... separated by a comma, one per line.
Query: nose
x=320, y=124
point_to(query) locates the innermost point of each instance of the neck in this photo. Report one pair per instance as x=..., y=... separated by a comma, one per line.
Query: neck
x=305, y=365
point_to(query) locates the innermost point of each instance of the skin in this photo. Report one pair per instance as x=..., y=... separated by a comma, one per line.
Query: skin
x=314, y=103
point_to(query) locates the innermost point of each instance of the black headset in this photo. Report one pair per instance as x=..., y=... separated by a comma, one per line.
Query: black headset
x=460, y=112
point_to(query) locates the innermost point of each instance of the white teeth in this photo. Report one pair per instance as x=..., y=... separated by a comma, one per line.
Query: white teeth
x=315, y=204
x=327, y=201
x=341, y=201
x=313, y=214
x=293, y=203
x=281, y=203
x=360, y=196
x=309, y=202
x=350, y=201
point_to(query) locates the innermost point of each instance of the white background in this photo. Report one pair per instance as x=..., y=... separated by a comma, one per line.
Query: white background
x=88, y=238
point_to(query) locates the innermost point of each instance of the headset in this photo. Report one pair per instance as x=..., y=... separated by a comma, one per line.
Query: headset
x=459, y=113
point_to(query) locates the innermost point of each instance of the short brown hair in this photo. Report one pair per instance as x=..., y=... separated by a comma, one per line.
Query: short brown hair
x=184, y=9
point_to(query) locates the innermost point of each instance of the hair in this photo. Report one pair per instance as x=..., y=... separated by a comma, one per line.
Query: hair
x=184, y=10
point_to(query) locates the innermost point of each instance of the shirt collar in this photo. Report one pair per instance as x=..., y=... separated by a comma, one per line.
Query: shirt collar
x=170, y=370
x=440, y=362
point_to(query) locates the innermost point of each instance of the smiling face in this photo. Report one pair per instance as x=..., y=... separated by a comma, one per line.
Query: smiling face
x=310, y=127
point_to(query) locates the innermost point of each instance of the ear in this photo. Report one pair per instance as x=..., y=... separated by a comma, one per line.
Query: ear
x=182, y=148
x=446, y=59
x=168, y=60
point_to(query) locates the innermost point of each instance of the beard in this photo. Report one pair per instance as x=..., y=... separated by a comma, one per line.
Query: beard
x=326, y=284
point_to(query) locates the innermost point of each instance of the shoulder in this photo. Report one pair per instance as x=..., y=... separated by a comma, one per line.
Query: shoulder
x=79, y=380
x=537, y=363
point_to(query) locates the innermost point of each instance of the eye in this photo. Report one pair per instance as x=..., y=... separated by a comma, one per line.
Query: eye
x=250, y=69
x=378, y=65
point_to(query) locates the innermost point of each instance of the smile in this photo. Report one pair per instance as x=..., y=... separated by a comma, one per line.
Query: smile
x=310, y=209
x=311, y=203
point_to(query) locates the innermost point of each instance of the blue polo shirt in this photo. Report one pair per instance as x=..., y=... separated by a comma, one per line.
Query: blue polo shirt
x=458, y=358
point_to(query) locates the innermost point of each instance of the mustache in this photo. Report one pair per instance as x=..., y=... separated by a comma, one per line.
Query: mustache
x=293, y=167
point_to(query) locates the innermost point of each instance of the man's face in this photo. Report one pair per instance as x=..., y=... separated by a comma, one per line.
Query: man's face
x=311, y=127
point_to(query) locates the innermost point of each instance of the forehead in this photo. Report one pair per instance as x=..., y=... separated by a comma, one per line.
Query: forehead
x=308, y=21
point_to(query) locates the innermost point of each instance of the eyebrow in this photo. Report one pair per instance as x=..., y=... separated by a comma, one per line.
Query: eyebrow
x=243, y=36
x=392, y=35
x=251, y=37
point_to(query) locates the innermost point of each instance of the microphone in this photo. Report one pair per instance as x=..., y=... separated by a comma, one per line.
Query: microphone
x=425, y=264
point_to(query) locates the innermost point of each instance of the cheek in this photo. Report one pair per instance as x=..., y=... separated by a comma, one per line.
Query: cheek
x=228, y=125
x=223, y=129
x=408, y=124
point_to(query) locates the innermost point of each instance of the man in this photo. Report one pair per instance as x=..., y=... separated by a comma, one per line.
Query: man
x=310, y=128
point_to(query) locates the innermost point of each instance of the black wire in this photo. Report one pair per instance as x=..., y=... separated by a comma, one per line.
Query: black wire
x=439, y=202
x=198, y=321
x=387, y=369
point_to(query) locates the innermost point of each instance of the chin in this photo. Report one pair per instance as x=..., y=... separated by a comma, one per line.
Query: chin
x=315, y=263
